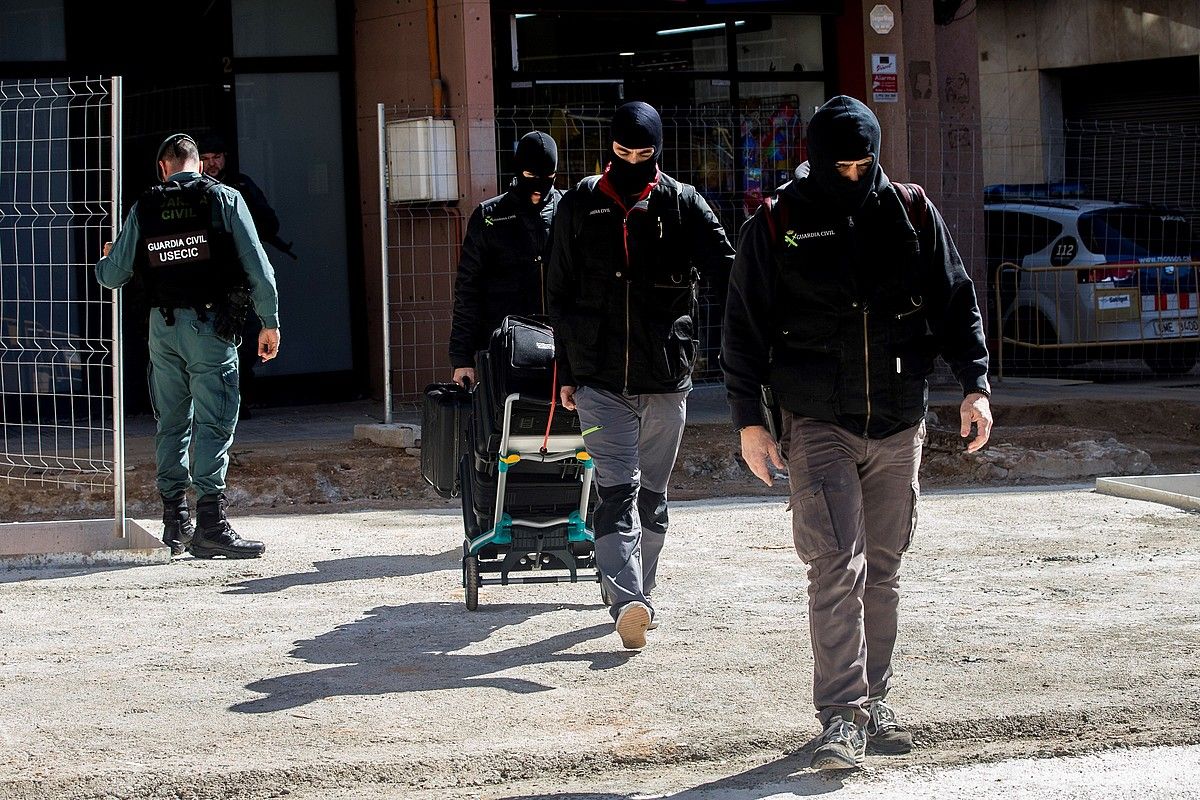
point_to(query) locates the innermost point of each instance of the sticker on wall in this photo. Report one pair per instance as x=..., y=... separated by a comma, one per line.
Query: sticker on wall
x=920, y=80
x=885, y=81
x=882, y=19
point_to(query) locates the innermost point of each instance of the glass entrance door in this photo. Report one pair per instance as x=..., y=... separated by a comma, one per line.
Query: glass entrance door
x=289, y=141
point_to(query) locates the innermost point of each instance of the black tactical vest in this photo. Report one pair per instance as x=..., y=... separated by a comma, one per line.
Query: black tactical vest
x=851, y=337
x=184, y=260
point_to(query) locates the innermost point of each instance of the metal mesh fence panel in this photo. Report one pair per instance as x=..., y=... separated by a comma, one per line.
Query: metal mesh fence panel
x=1073, y=197
x=56, y=210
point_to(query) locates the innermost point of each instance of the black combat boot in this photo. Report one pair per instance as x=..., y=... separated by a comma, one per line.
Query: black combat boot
x=177, y=524
x=215, y=537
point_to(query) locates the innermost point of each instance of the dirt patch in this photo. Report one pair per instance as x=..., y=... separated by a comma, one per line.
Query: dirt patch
x=1050, y=443
x=264, y=478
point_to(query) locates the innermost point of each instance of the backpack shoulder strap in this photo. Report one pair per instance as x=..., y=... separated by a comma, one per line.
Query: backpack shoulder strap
x=777, y=217
x=916, y=203
x=772, y=226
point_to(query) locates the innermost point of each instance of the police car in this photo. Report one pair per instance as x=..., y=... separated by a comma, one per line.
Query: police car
x=1072, y=279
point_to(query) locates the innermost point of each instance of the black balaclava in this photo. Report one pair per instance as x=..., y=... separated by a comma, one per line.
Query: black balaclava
x=537, y=154
x=635, y=125
x=843, y=130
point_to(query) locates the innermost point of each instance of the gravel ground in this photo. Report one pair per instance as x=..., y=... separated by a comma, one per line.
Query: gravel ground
x=1035, y=623
x=1160, y=773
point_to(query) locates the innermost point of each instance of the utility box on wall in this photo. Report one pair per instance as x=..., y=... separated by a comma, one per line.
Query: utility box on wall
x=422, y=161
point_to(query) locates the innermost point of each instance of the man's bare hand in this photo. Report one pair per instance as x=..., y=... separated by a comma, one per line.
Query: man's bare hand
x=567, y=395
x=760, y=452
x=976, y=408
x=107, y=249
x=268, y=343
x=464, y=377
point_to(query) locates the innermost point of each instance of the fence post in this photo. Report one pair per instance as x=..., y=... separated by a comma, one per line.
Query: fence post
x=999, y=330
x=383, y=269
x=117, y=344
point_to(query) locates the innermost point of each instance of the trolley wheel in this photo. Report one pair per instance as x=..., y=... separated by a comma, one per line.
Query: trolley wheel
x=471, y=581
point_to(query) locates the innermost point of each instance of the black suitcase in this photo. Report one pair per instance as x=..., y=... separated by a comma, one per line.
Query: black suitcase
x=526, y=493
x=445, y=419
x=529, y=417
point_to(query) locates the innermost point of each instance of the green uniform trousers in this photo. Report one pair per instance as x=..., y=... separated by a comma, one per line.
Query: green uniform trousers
x=193, y=378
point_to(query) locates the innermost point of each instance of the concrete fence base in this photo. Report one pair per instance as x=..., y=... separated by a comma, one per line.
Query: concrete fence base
x=78, y=543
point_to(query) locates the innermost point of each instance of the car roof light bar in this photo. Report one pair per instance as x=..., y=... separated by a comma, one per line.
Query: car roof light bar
x=1058, y=190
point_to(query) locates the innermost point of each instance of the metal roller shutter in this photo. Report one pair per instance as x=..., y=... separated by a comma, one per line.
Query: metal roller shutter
x=1132, y=131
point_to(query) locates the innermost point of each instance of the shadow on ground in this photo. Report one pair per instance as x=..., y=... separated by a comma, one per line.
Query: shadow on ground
x=357, y=568
x=61, y=573
x=414, y=648
x=788, y=775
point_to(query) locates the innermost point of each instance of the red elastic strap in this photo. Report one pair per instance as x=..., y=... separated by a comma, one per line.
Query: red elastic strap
x=553, y=403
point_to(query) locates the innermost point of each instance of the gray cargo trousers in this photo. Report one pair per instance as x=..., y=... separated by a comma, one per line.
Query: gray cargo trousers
x=854, y=510
x=633, y=440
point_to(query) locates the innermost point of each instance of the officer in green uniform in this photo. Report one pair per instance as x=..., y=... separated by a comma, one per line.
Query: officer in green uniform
x=192, y=243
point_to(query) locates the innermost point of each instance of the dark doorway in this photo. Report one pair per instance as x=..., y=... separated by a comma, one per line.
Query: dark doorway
x=1130, y=130
x=274, y=79
x=171, y=82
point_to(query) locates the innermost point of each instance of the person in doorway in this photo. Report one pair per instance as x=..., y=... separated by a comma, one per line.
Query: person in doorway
x=844, y=291
x=192, y=243
x=503, y=266
x=214, y=158
x=628, y=251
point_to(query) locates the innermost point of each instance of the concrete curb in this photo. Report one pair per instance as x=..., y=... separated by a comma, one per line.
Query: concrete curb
x=1180, y=491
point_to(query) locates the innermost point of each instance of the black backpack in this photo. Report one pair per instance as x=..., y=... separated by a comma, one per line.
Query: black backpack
x=521, y=355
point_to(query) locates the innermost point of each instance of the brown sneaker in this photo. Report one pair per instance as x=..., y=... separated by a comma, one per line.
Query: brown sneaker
x=632, y=621
x=843, y=745
x=884, y=733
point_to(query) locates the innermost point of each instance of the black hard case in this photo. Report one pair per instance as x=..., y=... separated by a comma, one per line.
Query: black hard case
x=445, y=421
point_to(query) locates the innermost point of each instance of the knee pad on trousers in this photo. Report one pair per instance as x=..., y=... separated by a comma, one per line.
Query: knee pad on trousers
x=652, y=508
x=614, y=513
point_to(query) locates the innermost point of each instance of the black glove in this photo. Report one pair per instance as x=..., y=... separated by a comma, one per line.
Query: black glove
x=231, y=314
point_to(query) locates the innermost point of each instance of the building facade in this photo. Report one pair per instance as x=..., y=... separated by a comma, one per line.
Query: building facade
x=1053, y=68
x=294, y=87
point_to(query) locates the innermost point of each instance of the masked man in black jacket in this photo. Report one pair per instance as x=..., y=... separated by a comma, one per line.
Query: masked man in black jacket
x=623, y=293
x=843, y=293
x=503, y=267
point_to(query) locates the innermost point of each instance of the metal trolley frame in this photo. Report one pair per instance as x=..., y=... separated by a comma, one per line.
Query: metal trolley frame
x=558, y=549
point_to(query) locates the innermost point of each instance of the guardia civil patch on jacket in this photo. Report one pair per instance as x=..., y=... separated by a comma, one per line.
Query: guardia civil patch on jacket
x=792, y=238
x=177, y=248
